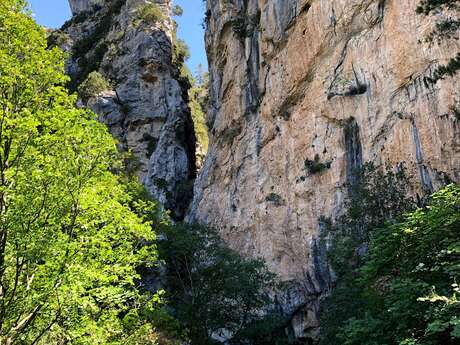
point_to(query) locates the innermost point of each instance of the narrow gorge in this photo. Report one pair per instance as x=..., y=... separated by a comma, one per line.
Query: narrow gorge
x=302, y=93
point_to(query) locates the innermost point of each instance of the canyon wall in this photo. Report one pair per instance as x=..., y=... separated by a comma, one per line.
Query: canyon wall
x=302, y=94
x=137, y=90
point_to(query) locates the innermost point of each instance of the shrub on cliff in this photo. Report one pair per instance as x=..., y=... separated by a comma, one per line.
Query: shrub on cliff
x=151, y=14
x=57, y=38
x=92, y=86
x=181, y=52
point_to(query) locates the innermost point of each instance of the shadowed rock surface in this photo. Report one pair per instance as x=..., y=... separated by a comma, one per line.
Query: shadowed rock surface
x=145, y=104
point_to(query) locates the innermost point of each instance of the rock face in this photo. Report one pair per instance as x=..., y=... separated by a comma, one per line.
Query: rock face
x=78, y=6
x=130, y=44
x=331, y=84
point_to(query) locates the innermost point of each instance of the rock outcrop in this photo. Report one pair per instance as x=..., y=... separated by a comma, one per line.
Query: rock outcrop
x=303, y=93
x=78, y=6
x=137, y=90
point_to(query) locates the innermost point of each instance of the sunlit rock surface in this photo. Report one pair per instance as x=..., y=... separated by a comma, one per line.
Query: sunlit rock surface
x=340, y=81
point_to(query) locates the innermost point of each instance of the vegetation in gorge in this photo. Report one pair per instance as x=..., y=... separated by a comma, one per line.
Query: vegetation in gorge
x=197, y=91
x=72, y=235
x=77, y=232
x=398, y=271
x=198, y=103
x=410, y=279
x=315, y=166
x=212, y=289
x=377, y=198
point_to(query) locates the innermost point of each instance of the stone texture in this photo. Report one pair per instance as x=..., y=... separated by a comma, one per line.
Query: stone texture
x=343, y=80
x=78, y=6
x=146, y=109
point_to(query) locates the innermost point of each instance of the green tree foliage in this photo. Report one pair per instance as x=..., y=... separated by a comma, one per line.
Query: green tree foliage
x=398, y=271
x=198, y=104
x=377, y=198
x=76, y=234
x=410, y=280
x=71, y=235
x=151, y=13
x=211, y=287
x=181, y=52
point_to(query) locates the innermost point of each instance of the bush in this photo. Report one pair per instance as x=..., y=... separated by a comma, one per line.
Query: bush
x=181, y=52
x=276, y=199
x=93, y=85
x=177, y=11
x=315, y=166
x=151, y=14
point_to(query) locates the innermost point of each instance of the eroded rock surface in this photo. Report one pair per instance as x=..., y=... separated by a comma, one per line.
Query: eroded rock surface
x=336, y=82
x=145, y=106
x=78, y=6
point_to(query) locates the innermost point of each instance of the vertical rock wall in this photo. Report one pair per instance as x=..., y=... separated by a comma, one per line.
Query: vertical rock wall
x=145, y=106
x=333, y=82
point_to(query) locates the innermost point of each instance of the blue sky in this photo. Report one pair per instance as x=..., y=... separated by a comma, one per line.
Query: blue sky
x=53, y=13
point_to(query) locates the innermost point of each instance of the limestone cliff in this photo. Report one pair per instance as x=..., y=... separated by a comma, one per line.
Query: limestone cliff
x=302, y=93
x=137, y=90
